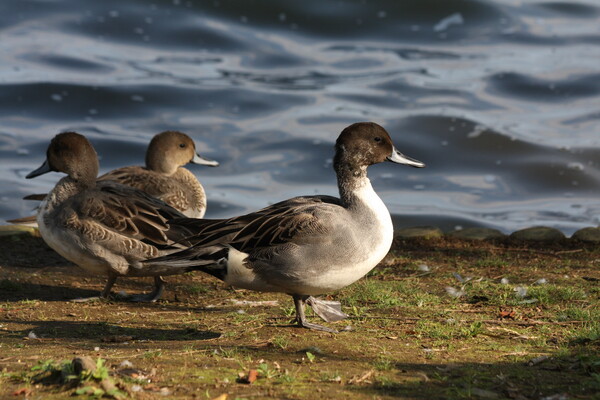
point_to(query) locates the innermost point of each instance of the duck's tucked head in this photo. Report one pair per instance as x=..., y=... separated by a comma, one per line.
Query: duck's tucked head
x=367, y=143
x=170, y=150
x=73, y=154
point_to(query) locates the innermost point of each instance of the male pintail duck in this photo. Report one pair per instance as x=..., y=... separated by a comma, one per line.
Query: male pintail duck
x=163, y=176
x=303, y=246
x=103, y=226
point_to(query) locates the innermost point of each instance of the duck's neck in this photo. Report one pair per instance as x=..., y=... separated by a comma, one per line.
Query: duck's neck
x=161, y=165
x=352, y=182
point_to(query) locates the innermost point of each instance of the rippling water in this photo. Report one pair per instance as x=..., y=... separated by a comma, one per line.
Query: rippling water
x=501, y=99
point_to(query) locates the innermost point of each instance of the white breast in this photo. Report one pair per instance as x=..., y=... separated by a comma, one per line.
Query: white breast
x=373, y=244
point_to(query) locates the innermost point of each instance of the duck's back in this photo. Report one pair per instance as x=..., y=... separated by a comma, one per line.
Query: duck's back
x=180, y=190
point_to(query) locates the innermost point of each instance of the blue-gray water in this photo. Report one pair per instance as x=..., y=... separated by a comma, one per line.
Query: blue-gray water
x=501, y=99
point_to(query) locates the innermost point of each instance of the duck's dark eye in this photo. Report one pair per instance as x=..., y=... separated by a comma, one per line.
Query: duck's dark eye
x=182, y=145
x=377, y=139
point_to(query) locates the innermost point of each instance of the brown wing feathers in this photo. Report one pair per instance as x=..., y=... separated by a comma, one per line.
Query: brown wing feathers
x=273, y=225
x=130, y=212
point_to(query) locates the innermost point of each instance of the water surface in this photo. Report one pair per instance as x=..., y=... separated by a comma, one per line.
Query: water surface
x=501, y=99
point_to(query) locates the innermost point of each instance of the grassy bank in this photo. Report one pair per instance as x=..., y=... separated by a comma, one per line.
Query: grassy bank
x=438, y=319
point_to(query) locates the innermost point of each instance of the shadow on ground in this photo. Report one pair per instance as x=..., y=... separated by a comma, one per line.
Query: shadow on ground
x=102, y=332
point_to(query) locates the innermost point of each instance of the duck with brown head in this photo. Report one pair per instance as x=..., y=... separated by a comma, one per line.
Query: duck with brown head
x=164, y=175
x=104, y=227
x=304, y=246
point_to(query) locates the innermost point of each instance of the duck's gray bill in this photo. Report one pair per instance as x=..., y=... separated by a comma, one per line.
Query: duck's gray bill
x=198, y=159
x=399, y=158
x=45, y=168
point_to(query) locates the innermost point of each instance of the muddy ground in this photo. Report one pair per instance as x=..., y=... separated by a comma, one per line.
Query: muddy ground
x=436, y=320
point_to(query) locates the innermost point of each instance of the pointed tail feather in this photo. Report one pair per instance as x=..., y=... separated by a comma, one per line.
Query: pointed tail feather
x=29, y=221
x=211, y=260
x=37, y=197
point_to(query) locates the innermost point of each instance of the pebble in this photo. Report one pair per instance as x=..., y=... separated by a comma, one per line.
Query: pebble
x=589, y=235
x=538, y=234
x=477, y=234
x=422, y=232
x=424, y=268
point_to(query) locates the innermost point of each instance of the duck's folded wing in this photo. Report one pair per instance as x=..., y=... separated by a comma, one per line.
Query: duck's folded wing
x=270, y=226
x=129, y=212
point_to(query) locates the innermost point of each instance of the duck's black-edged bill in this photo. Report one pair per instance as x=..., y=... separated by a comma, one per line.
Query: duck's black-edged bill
x=45, y=168
x=198, y=159
x=399, y=158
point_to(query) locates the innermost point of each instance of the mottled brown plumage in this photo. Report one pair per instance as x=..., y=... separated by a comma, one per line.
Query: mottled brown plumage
x=103, y=226
x=164, y=176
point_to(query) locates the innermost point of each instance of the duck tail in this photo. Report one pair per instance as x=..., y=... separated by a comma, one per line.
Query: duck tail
x=27, y=221
x=211, y=260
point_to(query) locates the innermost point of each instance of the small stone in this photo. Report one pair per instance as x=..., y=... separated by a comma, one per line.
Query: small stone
x=419, y=232
x=539, y=234
x=126, y=364
x=541, y=281
x=589, y=235
x=504, y=281
x=32, y=335
x=477, y=234
x=424, y=268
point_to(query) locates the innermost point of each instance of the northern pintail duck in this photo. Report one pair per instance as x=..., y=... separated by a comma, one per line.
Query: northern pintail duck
x=163, y=177
x=304, y=246
x=103, y=226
